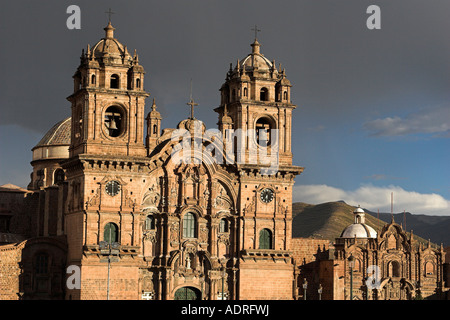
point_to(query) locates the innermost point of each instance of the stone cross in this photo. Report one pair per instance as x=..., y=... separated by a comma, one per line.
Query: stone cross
x=256, y=31
x=109, y=12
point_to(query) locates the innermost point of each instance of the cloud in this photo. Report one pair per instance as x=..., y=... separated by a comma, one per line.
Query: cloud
x=374, y=198
x=383, y=177
x=433, y=121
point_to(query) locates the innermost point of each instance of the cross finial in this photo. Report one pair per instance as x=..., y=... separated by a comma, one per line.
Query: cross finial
x=256, y=31
x=109, y=12
x=192, y=104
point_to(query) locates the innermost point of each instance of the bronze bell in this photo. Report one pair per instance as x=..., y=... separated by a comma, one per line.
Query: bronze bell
x=112, y=124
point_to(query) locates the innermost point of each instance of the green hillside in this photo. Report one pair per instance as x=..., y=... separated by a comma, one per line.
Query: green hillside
x=328, y=220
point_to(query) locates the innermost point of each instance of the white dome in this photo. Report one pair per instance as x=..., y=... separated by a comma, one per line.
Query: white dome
x=358, y=210
x=358, y=230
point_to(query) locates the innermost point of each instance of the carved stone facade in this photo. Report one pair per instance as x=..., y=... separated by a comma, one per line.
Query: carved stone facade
x=190, y=214
x=186, y=212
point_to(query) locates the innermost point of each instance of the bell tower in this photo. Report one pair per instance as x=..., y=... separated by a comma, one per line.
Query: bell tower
x=257, y=98
x=108, y=164
x=255, y=117
x=108, y=100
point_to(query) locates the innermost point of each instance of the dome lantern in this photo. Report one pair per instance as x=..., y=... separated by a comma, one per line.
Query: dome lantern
x=359, y=228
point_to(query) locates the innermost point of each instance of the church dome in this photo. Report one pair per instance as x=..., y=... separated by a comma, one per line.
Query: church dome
x=256, y=59
x=359, y=228
x=55, y=143
x=59, y=134
x=110, y=46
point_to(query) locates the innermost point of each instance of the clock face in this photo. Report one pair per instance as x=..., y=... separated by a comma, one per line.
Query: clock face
x=112, y=188
x=267, y=195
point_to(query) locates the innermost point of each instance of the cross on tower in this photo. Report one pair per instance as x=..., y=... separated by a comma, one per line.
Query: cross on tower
x=109, y=12
x=256, y=31
x=192, y=104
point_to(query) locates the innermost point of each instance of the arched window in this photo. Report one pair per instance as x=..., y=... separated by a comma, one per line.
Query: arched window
x=59, y=176
x=394, y=269
x=150, y=222
x=264, y=94
x=114, y=83
x=265, y=239
x=429, y=269
x=138, y=83
x=245, y=92
x=223, y=225
x=114, y=121
x=189, y=225
x=263, y=128
x=93, y=79
x=111, y=233
x=155, y=129
x=285, y=97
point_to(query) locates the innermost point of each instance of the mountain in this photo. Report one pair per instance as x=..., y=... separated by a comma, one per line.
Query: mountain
x=435, y=228
x=328, y=220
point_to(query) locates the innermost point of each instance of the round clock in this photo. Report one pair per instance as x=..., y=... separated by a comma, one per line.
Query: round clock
x=112, y=188
x=266, y=195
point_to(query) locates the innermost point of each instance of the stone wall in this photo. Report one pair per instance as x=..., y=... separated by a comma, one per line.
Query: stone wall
x=10, y=257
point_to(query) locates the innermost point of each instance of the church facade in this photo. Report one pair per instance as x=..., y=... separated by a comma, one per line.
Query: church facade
x=141, y=212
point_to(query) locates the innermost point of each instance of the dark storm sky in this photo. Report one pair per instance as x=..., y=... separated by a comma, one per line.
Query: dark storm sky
x=373, y=105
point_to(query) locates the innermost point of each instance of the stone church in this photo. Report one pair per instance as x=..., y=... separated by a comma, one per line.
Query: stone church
x=189, y=212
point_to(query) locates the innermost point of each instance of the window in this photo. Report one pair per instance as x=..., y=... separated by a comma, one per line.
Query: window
x=394, y=269
x=285, y=95
x=189, y=225
x=114, y=83
x=93, y=79
x=59, y=176
x=41, y=263
x=114, y=121
x=263, y=131
x=245, y=92
x=150, y=223
x=223, y=225
x=138, y=83
x=429, y=269
x=264, y=94
x=265, y=239
x=111, y=233
x=155, y=129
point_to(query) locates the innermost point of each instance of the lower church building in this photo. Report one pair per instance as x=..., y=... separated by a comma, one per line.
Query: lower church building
x=119, y=208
